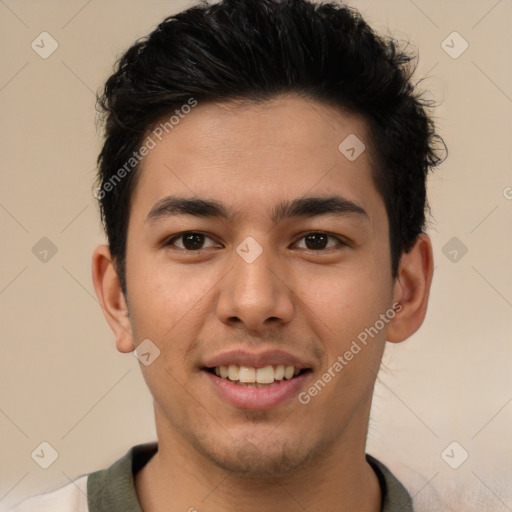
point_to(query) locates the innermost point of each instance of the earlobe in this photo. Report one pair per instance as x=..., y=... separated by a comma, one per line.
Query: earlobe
x=412, y=289
x=111, y=298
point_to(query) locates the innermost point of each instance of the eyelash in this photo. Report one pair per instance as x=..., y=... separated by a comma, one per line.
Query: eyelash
x=170, y=241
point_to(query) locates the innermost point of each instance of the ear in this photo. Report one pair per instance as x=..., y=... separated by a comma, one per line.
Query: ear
x=112, y=301
x=412, y=289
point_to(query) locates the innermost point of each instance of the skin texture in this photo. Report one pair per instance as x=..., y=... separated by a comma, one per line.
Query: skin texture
x=310, y=303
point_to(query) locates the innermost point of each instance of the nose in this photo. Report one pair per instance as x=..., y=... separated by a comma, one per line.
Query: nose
x=256, y=295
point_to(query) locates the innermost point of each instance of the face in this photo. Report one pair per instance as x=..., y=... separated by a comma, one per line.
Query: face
x=235, y=256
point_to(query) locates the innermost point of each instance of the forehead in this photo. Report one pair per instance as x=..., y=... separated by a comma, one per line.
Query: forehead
x=250, y=153
x=217, y=130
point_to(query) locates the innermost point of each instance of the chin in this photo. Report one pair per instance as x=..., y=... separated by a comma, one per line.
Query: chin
x=252, y=458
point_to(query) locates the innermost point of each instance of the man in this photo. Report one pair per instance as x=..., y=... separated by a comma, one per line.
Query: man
x=262, y=188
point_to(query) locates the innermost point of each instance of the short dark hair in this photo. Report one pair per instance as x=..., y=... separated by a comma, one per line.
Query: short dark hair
x=254, y=50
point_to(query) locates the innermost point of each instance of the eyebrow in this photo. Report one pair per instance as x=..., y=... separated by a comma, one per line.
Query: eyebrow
x=301, y=207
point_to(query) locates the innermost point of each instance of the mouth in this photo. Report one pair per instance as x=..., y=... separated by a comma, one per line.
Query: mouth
x=256, y=388
x=251, y=377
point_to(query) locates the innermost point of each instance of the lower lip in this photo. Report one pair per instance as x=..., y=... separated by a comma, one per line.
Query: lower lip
x=264, y=398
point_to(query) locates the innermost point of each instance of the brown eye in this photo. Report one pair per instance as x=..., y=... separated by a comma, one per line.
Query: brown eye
x=190, y=241
x=318, y=241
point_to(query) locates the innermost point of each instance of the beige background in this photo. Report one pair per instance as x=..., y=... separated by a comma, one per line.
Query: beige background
x=62, y=380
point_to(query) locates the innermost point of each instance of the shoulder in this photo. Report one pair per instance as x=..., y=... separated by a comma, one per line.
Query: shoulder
x=109, y=489
x=71, y=497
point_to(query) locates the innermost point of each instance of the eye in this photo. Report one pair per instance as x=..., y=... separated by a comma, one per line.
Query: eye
x=318, y=241
x=194, y=241
x=191, y=241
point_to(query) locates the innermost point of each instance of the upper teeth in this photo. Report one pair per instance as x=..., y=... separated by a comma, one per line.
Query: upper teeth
x=265, y=375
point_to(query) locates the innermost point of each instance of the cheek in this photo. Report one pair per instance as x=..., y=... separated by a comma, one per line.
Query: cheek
x=166, y=300
x=345, y=310
x=168, y=307
x=347, y=299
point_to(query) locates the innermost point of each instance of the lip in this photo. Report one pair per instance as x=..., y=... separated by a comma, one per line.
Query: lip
x=257, y=359
x=264, y=398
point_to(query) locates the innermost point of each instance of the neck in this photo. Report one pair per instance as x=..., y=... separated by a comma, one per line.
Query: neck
x=178, y=478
